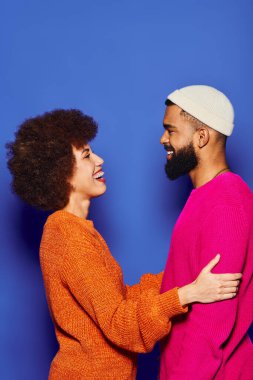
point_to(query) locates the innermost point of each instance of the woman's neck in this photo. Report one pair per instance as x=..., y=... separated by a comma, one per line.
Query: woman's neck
x=78, y=206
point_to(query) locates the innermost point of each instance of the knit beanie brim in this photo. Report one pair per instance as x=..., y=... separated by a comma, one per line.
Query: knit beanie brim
x=206, y=104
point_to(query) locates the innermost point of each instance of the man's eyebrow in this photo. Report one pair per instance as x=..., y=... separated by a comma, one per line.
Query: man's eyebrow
x=166, y=126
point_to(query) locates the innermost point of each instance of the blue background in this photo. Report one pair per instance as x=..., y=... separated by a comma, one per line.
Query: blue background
x=116, y=60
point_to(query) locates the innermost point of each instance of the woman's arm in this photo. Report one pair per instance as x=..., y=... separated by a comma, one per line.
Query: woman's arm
x=133, y=324
x=136, y=324
x=208, y=287
x=147, y=281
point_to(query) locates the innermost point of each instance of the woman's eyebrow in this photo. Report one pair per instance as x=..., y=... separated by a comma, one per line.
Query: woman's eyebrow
x=86, y=150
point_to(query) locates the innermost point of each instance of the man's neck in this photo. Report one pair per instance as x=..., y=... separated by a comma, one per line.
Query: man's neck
x=207, y=170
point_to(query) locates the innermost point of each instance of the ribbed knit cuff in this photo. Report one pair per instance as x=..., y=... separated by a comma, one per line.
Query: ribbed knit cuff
x=169, y=304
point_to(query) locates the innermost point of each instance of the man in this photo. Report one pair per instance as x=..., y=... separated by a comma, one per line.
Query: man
x=211, y=341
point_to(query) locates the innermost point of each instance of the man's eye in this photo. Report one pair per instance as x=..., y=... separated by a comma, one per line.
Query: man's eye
x=170, y=132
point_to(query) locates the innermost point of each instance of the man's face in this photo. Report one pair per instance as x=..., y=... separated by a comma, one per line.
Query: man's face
x=177, y=140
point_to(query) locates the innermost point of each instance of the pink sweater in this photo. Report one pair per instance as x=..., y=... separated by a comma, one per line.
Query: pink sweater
x=211, y=341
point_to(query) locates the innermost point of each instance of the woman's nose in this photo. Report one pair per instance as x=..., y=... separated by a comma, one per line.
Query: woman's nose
x=98, y=160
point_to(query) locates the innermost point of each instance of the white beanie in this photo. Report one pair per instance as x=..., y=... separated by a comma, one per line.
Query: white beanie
x=206, y=104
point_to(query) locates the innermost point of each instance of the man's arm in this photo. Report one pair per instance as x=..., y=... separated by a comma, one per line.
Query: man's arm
x=208, y=326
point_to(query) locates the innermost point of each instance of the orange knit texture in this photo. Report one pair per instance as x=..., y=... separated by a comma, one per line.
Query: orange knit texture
x=100, y=323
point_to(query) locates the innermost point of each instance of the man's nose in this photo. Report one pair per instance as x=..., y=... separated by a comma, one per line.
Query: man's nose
x=165, y=138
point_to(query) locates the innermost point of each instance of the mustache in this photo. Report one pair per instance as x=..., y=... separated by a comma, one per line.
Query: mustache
x=168, y=147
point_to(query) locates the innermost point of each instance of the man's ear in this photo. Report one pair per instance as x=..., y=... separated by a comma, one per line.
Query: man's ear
x=203, y=137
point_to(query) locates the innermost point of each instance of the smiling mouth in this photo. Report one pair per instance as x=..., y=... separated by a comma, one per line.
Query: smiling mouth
x=169, y=151
x=99, y=176
x=169, y=154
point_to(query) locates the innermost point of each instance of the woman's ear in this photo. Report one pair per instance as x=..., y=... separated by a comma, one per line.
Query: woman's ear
x=203, y=137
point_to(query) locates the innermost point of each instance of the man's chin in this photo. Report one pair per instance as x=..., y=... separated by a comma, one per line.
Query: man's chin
x=181, y=164
x=171, y=175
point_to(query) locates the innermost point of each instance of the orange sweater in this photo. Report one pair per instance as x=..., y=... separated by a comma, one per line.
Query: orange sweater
x=100, y=323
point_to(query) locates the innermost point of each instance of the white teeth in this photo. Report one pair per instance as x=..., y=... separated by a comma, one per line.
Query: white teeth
x=99, y=175
x=169, y=152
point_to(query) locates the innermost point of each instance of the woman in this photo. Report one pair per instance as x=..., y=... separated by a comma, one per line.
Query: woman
x=100, y=323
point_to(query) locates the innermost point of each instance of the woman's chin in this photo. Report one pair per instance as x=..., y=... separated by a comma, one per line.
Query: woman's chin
x=99, y=193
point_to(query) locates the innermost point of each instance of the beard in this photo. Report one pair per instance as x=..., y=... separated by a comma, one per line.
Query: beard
x=181, y=162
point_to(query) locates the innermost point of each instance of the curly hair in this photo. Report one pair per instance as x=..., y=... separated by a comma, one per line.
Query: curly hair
x=41, y=159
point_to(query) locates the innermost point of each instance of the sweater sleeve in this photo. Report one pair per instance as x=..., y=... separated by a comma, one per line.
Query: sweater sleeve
x=225, y=231
x=135, y=325
x=148, y=281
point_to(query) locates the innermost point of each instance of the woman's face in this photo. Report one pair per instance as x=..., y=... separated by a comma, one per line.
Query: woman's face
x=87, y=180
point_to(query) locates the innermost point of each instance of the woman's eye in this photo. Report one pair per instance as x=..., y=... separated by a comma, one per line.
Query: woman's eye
x=88, y=156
